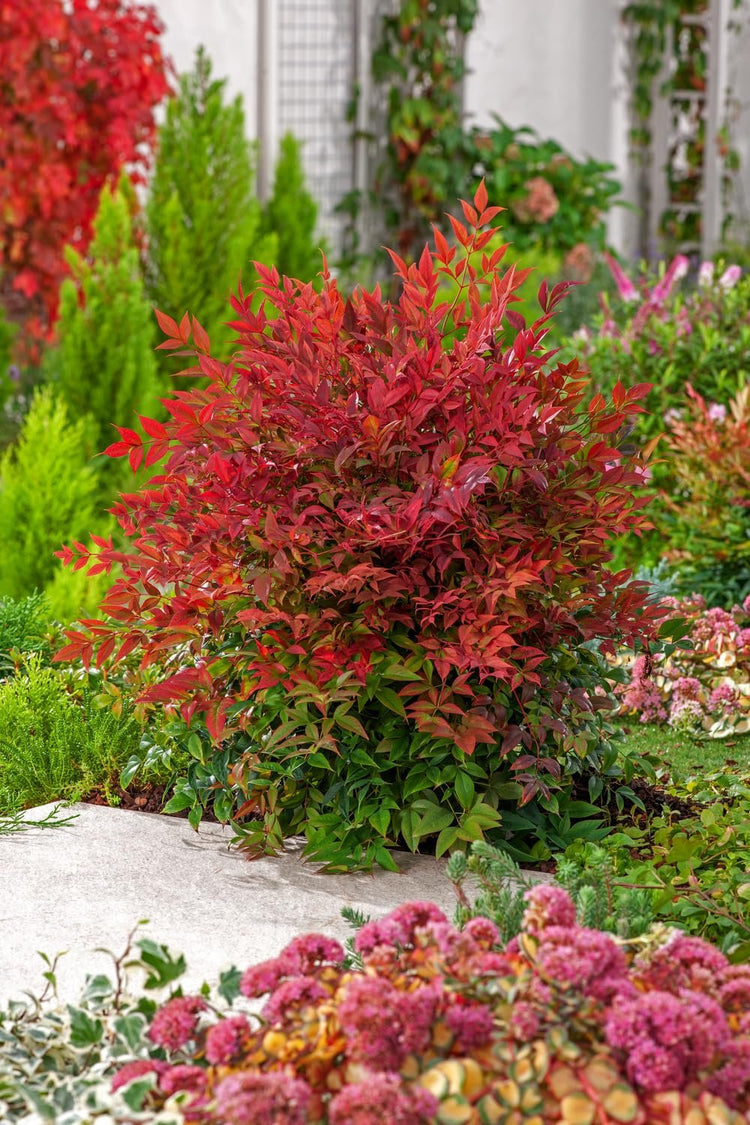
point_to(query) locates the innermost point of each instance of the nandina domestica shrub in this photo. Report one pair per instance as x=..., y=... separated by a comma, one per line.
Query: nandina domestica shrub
x=80, y=81
x=431, y=1025
x=371, y=557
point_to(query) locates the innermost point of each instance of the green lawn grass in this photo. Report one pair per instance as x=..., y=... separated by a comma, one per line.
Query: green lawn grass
x=684, y=755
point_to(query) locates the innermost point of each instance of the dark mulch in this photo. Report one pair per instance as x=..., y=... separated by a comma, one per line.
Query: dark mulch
x=656, y=800
x=143, y=797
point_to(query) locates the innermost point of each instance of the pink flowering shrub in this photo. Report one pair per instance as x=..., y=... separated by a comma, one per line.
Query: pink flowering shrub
x=664, y=331
x=438, y=1026
x=702, y=688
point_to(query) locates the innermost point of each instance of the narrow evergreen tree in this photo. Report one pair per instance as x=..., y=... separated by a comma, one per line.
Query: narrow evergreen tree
x=292, y=213
x=203, y=218
x=47, y=494
x=105, y=364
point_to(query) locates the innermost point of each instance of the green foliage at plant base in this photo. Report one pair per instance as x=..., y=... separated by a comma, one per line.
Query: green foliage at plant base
x=47, y=494
x=291, y=213
x=23, y=625
x=105, y=365
x=695, y=868
x=203, y=219
x=502, y=886
x=55, y=744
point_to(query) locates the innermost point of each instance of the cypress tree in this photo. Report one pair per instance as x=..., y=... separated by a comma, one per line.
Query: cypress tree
x=203, y=218
x=105, y=364
x=292, y=213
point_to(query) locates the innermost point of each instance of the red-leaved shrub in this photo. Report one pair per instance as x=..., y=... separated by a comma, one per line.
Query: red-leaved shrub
x=80, y=81
x=379, y=509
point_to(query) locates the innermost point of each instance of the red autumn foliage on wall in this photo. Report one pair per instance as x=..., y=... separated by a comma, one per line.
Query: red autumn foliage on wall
x=374, y=485
x=78, y=85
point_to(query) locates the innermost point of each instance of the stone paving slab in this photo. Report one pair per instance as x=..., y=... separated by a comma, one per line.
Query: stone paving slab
x=87, y=884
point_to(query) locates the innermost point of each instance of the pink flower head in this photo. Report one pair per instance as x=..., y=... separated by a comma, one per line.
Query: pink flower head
x=190, y=1078
x=587, y=960
x=305, y=954
x=252, y=1098
x=524, y=1021
x=293, y=995
x=724, y=699
x=746, y=605
x=137, y=1069
x=471, y=1022
x=484, y=932
x=175, y=1023
x=666, y=1039
x=383, y=1098
x=398, y=927
x=549, y=905
x=686, y=687
x=625, y=286
x=226, y=1039
x=261, y=978
x=676, y=269
x=730, y=277
x=685, y=714
x=540, y=203
x=373, y=1024
x=731, y=1081
x=682, y=962
x=717, y=412
x=706, y=275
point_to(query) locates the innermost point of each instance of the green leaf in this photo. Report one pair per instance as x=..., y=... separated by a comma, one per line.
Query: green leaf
x=464, y=786
x=136, y=1092
x=445, y=840
x=84, y=1031
x=380, y=820
x=179, y=802
x=130, y=1029
x=229, y=984
x=164, y=968
x=434, y=819
x=129, y=770
x=385, y=859
x=388, y=697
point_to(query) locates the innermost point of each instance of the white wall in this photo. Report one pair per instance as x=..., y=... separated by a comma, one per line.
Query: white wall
x=228, y=31
x=554, y=65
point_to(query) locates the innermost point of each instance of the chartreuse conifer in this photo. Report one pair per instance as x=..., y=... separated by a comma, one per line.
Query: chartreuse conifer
x=203, y=217
x=292, y=214
x=47, y=494
x=105, y=364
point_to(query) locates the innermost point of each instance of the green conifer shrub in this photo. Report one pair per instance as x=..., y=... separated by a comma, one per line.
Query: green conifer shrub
x=47, y=494
x=291, y=213
x=203, y=218
x=105, y=365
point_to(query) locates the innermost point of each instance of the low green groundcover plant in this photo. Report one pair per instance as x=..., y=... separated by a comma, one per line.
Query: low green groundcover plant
x=55, y=742
x=425, y=1025
x=365, y=582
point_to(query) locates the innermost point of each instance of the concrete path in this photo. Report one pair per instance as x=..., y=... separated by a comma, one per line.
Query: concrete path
x=86, y=885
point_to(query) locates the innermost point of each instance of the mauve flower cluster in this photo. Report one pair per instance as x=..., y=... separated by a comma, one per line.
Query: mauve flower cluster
x=705, y=686
x=343, y=1046
x=540, y=204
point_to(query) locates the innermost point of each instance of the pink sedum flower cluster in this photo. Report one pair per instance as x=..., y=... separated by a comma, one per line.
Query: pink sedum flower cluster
x=359, y=1046
x=703, y=687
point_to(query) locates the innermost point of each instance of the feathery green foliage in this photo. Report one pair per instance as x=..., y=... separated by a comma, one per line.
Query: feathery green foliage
x=105, y=365
x=203, y=218
x=54, y=746
x=47, y=494
x=23, y=623
x=291, y=213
